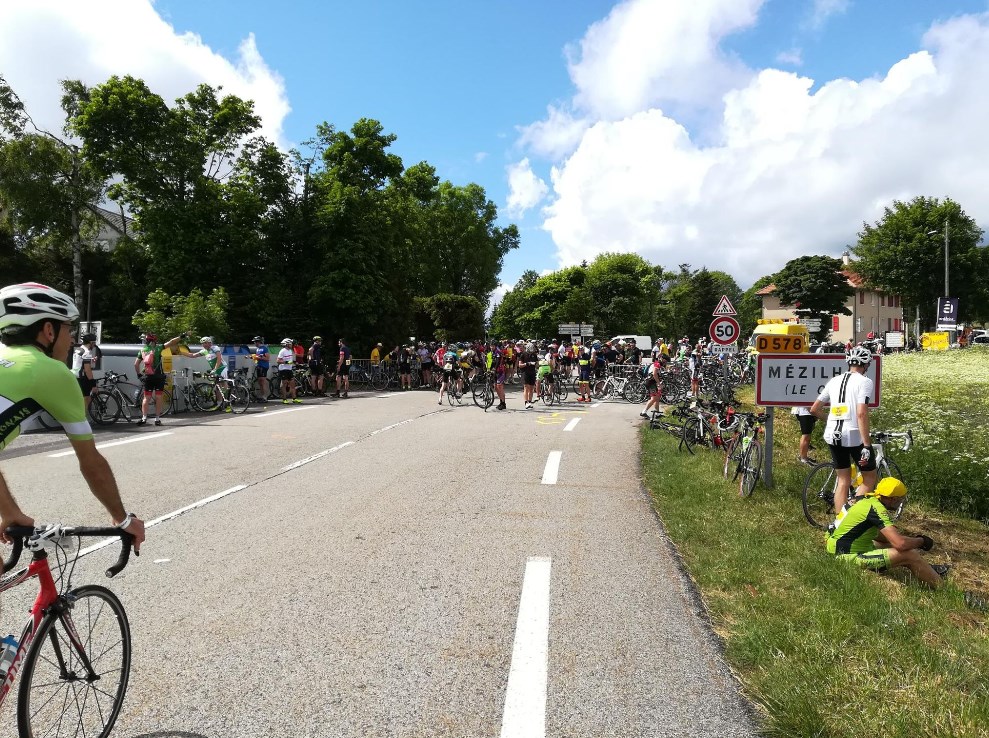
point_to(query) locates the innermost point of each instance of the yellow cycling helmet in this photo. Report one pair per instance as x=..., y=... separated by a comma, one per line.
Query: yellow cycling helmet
x=890, y=487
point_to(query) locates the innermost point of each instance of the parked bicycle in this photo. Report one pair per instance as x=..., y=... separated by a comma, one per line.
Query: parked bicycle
x=75, y=648
x=822, y=480
x=744, y=453
x=116, y=398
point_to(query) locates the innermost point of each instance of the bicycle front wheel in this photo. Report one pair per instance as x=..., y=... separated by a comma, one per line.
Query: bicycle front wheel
x=240, y=399
x=104, y=408
x=818, y=495
x=695, y=434
x=76, y=671
x=166, y=402
x=751, y=468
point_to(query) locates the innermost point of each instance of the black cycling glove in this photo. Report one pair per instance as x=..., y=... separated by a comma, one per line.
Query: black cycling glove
x=867, y=455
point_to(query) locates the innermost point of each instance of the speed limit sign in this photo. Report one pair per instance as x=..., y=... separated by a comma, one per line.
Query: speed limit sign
x=724, y=330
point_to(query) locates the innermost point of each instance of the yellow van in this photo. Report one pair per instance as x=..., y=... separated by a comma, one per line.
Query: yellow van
x=777, y=336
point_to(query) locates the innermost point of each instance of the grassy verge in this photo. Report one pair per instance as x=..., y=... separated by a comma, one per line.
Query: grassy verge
x=826, y=649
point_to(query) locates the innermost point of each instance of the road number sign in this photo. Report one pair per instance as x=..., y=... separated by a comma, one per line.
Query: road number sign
x=724, y=330
x=770, y=344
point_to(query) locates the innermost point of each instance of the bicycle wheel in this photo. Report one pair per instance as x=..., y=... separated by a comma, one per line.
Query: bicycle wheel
x=104, y=408
x=478, y=392
x=818, y=495
x=239, y=398
x=561, y=390
x=890, y=468
x=203, y=396
x=599, y=389
x=546, y=395
x=379, y=380
x=57, y=689
x=166, y=407
x=751, y=468
x=694, y=434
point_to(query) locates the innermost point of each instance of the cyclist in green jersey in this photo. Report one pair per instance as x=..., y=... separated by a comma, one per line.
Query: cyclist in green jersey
x=35, y=326
x=863, y=535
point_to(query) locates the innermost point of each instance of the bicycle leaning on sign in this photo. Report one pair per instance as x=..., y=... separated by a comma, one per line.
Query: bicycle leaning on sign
x=822, y=480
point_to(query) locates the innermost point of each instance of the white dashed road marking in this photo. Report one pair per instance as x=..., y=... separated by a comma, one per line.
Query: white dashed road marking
x=552, y=470
x=525, y=696
x=572, y=424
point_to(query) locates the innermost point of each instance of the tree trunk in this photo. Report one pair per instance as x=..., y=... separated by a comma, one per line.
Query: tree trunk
x=77, y=261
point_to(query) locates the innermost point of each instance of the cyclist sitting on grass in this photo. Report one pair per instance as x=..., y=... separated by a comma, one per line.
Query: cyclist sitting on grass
x=36, y=328
x=863, y=535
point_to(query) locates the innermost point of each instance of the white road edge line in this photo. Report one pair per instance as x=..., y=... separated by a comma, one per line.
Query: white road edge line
x=572, y=424
x=168, y=516
x=552, y=469
x=320, y=455
x=143, y=437
x=279, y=412
x=525, y=695
x=596, y=404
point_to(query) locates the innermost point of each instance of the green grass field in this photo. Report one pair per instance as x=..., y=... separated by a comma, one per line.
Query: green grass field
x=826, y=649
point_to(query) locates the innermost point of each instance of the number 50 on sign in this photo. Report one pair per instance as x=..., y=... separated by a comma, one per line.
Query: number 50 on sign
x=724, y=330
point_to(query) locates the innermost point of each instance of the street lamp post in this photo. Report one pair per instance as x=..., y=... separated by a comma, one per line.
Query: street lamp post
x=934, y=233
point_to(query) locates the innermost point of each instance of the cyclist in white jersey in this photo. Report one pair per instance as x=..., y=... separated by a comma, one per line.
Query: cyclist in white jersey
x=847, y=429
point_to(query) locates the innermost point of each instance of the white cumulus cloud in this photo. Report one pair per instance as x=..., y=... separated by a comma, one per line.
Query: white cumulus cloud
x=44, y=41
x=786, y=168
x=525, y=189
x=824, y=9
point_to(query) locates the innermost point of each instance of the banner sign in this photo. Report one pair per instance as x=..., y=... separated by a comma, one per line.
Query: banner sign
x=790, y=380
x=947, y=313
x=894, y=339
x=934, y=341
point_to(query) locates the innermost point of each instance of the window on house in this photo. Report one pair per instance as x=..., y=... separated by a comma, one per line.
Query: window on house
x=861, y=298
x=889, y=324
x=882, y=300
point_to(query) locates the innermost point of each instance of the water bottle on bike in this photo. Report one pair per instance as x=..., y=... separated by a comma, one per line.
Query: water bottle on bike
x=8, y=650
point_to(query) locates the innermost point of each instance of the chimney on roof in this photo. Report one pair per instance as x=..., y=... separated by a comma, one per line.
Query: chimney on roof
x=846, y=258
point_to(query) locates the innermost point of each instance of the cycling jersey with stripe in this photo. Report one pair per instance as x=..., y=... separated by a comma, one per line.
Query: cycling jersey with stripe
x=855, y=529
x=844, y=394
x=30, y=383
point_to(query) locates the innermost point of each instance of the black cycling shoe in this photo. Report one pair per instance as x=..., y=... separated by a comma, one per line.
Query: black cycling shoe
x=142, y=421
x=941, y=569
x=157, y=421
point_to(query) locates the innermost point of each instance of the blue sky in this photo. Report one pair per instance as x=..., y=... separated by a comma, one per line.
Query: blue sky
x=716, y=132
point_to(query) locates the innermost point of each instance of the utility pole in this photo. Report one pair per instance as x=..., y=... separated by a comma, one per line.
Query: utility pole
x=946, y=293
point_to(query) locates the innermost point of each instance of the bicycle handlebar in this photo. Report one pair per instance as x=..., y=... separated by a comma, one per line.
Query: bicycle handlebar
x=20, y=533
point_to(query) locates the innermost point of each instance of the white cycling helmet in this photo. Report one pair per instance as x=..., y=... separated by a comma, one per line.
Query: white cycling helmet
x=206, y=339
x=859, y=356
x=287, y=342
x=24, y=304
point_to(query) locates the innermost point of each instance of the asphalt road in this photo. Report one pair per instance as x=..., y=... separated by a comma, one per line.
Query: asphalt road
x=383, y=566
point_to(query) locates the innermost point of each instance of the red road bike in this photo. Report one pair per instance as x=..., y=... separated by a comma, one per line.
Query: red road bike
x=75, y=648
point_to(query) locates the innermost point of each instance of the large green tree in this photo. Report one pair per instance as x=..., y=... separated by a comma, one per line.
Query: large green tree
x=816, y=288
x=903, y=254
x=48, y=188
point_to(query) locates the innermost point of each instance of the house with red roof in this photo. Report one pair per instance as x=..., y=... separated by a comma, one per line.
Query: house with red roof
x=872, y=311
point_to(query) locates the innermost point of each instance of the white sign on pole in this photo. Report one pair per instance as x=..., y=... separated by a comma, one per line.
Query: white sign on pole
x=587, y=330
x=566, y=328
x=728, y=348
x=797, y=379
x=724, y=307
x=813, y=324
x=95, y=326
x=894, y=339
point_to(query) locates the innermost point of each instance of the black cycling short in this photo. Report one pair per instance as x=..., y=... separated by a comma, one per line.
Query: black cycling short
x=843, y=456
x=316, y=367
x=807, y=423
x=261, y=371
x=154, y=382
x=86, y=385
x=286, y=374
x=529, y=375
x=404, y=368
x=344, y=370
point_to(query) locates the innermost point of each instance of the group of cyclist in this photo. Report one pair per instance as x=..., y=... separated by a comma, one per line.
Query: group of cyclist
x=862, y=533
x=36, y=330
